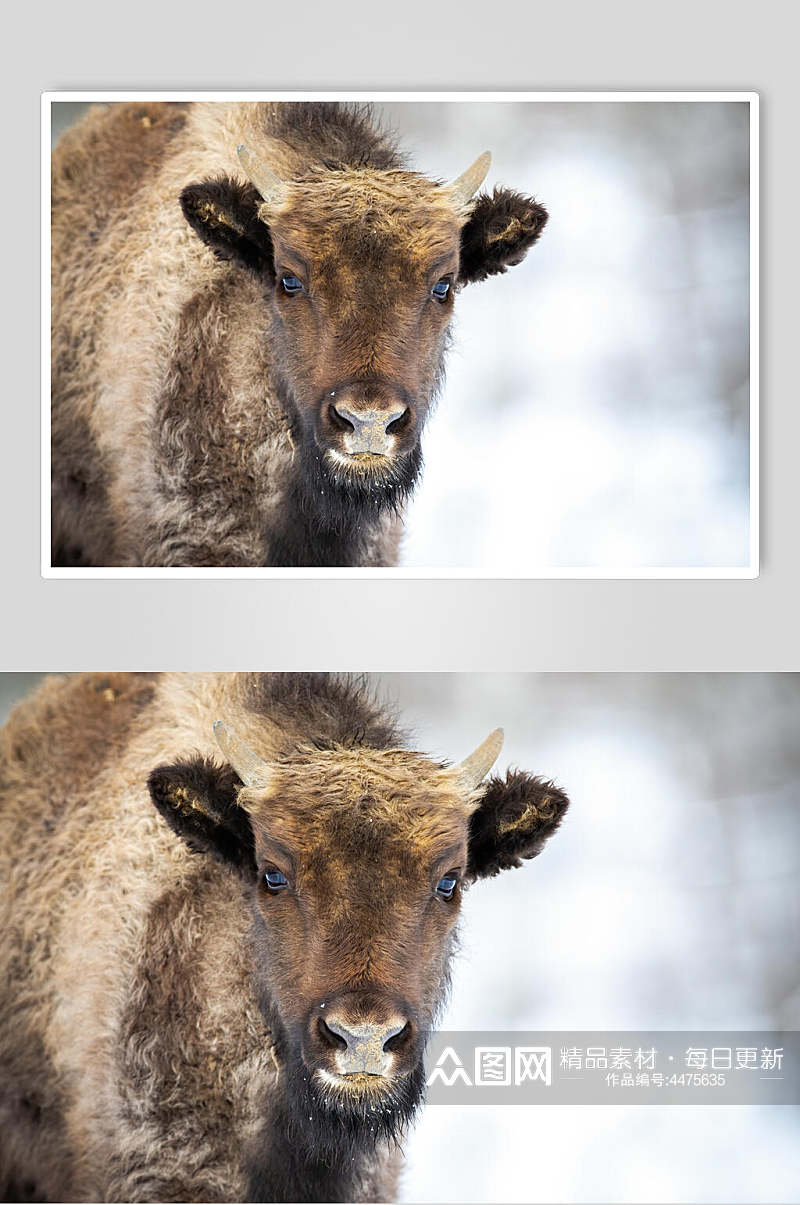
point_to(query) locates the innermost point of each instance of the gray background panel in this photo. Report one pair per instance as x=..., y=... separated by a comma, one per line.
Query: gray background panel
x=419, y=624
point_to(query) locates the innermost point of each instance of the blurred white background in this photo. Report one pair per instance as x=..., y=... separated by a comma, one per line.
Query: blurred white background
x=597, y=399
x=670, y=899
x=596, y=410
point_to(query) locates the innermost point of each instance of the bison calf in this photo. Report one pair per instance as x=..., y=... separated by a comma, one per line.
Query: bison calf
x=228, y=911
x=251, y=306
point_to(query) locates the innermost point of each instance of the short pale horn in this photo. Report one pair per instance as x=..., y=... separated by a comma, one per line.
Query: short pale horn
x=474, y=768
x=468, y=183
x=269, y=186
x=253, y=770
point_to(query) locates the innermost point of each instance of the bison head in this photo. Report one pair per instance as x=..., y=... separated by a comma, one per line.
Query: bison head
x=354, y=861
x=360, y=268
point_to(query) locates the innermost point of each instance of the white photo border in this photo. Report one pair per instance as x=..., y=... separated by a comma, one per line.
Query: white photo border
x=751, y=570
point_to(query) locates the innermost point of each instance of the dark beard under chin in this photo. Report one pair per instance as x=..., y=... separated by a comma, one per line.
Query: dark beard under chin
x=336, y=496
x=318, y=1149
x=331, y=512
x=339, y=1127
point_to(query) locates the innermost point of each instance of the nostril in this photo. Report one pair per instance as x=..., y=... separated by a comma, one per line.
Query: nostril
x=339, y=421
x=398, y=424
x=398, y=1040
x=329, y=1037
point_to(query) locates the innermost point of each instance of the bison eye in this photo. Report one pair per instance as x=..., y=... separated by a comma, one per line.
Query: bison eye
x=441, y=289
x=275, y=880
x=446, y=886
x=292, y=285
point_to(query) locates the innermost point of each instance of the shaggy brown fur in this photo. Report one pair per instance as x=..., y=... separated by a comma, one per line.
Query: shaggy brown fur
x=199, y=410
x=163, y=1010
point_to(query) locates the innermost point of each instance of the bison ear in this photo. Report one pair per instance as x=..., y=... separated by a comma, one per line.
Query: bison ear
x=499, y=233
x=197, y=799
x=513, y=820
x=224, y=214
